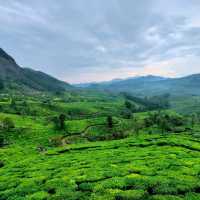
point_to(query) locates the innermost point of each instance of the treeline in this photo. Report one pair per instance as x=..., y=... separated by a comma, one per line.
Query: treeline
x=165, y=122
x=151, y=103
x=17, y=107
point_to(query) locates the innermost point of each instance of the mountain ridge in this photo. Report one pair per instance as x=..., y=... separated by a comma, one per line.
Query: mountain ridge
x=119, y=80
x=152, y=85
x=12, y=75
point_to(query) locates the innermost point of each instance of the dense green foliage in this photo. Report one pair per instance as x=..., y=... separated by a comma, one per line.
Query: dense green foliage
x=88, y=145
x=153, y=103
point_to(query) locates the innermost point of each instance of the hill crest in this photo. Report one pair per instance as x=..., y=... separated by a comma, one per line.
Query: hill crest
x=12, y=75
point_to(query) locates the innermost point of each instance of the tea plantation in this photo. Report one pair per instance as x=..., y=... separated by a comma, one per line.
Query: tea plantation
x=152, y=155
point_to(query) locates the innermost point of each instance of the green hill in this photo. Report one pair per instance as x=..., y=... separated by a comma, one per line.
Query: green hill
x=13, y=76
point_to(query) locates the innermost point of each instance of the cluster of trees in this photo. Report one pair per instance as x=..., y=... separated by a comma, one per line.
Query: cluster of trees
x=17, y=107
x=59, y=122
x=194, y=119
x=146, y=104
x=118, y=130
x=161, y=102
x=165, y=121
x=128, y=110
x=20, y=108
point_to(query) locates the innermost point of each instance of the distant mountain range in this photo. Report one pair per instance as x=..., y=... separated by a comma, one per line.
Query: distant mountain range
x=16, y=77
x=150, y=85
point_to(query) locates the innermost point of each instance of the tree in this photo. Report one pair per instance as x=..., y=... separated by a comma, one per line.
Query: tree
x=193, y=120
x=128, y=104
x=148, y=122
x=1, y=85
x=59, y=122
x=62, y=118
x=137, y=126
x=13, y=104
x=163, y=124
x=24, y=108
x=1, y=163
x=127, y=114
x=110, y=121
x=1, y=140
x=56, y=123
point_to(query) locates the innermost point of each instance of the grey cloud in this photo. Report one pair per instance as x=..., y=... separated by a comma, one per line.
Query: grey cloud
x=67, y=38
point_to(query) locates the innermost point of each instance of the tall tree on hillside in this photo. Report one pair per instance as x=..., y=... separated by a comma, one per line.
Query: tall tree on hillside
x=62, y=118
x=110, y=121
x=1, y=85
x=13, y=103
x=193, y=120
x=59, y=122
x=163, y=123
x=137, y=126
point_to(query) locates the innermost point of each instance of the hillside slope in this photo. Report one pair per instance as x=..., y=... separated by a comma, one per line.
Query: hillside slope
x=12, y=75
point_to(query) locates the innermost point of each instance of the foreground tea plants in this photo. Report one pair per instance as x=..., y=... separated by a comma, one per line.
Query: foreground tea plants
x=159, y=167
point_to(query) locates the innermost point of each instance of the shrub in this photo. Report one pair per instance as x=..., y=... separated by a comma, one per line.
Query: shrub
x=1, y=164
x=7, y=124
x=56, y=141
x=131, y=195
x=127, y=114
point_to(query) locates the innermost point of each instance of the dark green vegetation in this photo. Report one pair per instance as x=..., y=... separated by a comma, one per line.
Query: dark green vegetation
x=81, y=145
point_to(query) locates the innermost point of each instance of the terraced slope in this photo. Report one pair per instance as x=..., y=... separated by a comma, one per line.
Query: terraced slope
x=150, y=164
x=144, y=167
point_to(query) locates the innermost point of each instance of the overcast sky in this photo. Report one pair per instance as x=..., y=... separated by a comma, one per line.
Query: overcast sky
x=95, y=40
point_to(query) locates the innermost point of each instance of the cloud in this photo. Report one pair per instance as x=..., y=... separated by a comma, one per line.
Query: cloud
x=88, y=40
